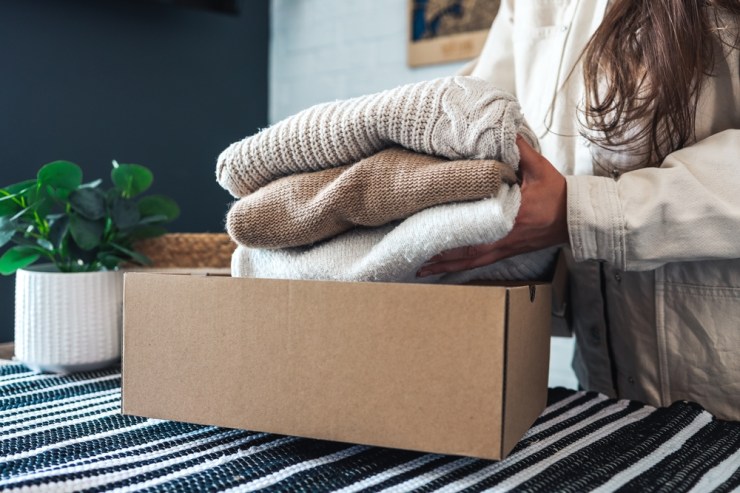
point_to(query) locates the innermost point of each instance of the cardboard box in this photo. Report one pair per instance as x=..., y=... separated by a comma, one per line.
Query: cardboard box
x=447, y=369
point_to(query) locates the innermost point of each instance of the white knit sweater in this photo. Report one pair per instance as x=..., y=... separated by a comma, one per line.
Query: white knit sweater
x=453, y=117
x=395, y=252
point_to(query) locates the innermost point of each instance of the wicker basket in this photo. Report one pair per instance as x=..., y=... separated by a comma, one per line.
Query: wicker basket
x=188, y=250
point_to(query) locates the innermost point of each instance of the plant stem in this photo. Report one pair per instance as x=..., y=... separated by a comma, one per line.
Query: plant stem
x=14, y=199
x=41, y=224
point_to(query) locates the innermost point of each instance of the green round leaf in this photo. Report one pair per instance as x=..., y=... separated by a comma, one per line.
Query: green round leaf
x=159, y=205
x=88, y=202
x=16, y=258
x=142, y=232
x=58, y=231
x=43, y=206
x=86, y=233
x=131, y=179
x=26, y=213
x=110, y=261
x=135, y=256
x=12, y=194
x=125, y=213
x=60, y=174
x=5, y=237
x=37, y=194
x=9, y=205
x=79, y=259
x=61, y=194
x=7, y=231
x=38, y=200
x=45, y=244
x=19, y=188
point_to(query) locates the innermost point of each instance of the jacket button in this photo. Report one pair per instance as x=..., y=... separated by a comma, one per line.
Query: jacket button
x=631, y=380
x=615, y=173
x=618, y=277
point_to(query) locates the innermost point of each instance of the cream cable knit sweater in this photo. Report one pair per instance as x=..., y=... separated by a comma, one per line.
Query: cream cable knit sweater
x=453, y=117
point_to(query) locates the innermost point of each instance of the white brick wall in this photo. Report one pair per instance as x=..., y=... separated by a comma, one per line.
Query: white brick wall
x=322, y=50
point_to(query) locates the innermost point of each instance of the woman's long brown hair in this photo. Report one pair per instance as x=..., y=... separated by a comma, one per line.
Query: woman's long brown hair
x=643, y=71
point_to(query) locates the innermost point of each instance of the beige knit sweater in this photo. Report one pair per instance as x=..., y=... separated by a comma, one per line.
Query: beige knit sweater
x=452, y=117
x=392, y=184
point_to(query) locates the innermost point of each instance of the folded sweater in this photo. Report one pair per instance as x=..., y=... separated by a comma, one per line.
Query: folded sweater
x=396, y=251
x=393, y=184
x=452, y=117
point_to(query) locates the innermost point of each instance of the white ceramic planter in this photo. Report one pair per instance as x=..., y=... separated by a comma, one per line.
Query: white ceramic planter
x=67, y=322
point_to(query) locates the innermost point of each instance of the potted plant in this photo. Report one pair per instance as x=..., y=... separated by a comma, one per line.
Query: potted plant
x=68, y=309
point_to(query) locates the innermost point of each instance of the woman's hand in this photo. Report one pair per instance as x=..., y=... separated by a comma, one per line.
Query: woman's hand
x=540, y=223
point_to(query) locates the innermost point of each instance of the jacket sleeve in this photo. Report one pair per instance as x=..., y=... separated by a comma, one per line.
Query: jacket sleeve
x=496, y=61
x=468, y=68
x=686, y=209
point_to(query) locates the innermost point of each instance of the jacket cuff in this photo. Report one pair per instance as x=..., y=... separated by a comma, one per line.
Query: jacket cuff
x=596, y=224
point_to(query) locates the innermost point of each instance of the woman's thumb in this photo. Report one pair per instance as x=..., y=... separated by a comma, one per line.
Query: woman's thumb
x=528, y=157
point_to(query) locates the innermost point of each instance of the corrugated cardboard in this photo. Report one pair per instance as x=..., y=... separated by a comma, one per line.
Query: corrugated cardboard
x=447, y=369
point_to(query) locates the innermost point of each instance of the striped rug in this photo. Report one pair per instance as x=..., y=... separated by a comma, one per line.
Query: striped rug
x=66, y=433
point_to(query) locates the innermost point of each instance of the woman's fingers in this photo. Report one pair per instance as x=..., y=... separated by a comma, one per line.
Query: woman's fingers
x=459, y=264
x=528, y=158
x=492, y=254
x=460, y=253
x=540, y=222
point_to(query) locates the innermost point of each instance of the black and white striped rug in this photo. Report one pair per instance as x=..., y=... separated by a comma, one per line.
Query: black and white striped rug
x=66, y=433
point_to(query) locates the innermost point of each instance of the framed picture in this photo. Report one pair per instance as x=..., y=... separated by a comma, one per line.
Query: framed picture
x=443, y=31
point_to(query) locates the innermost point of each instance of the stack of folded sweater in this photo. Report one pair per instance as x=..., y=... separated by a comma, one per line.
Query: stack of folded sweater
x=368, y=189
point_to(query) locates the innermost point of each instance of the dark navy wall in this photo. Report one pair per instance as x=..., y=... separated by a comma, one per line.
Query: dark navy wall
x=140, y=82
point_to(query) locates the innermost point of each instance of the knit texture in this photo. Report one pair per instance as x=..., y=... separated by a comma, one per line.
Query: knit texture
x=453, y=117
x=396, y=251
x=390, y=185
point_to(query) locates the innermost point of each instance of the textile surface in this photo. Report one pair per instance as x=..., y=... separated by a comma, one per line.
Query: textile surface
x=395, y=252
x=393, y=184
x=452, y=117
x=66, y=433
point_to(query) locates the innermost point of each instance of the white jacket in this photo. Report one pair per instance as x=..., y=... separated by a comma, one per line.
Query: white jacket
x=655, y=265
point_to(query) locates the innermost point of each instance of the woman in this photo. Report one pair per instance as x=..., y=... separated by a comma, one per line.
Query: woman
x=637, y=107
